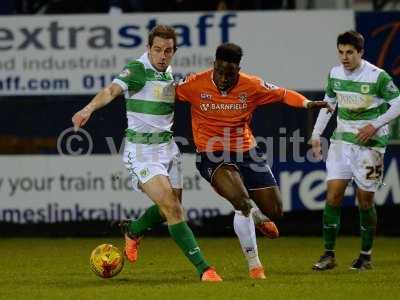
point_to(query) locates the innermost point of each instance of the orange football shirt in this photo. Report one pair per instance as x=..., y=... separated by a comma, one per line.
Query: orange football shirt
x=221, y=121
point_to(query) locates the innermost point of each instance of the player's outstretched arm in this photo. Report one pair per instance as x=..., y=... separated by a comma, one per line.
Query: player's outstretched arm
x=318, y=105
x=102, y=98
x=295, y=99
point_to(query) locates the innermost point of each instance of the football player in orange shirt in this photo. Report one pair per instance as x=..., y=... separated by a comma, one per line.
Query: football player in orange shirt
x=222, y=102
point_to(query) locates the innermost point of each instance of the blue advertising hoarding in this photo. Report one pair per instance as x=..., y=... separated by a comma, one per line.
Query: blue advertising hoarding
x=303, y=185
x=381, y=31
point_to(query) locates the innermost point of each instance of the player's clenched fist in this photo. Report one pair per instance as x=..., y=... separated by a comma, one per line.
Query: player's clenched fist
x=316, y=148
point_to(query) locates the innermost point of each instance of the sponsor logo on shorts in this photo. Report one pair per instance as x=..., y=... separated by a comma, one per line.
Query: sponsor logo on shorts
x=144, y=173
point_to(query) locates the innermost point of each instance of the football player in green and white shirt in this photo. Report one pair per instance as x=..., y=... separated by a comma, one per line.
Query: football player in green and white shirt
x=367, y=100
x=151, y=155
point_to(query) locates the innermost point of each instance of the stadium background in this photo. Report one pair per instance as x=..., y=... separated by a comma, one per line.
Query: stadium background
x=292, y=49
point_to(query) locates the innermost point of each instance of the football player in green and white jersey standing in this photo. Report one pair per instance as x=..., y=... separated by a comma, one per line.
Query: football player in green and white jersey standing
x=367, y=100
x=151, y=155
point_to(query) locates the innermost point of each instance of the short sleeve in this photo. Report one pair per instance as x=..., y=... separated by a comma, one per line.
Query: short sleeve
x=132, y=77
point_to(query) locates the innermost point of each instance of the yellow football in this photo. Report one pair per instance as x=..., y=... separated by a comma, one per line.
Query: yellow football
x=106, y=260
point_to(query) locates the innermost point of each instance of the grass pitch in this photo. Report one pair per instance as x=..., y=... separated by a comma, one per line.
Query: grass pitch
x=59, y=269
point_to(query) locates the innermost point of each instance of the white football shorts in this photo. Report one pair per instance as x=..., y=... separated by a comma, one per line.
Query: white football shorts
x=350, y=161
x=146, y=161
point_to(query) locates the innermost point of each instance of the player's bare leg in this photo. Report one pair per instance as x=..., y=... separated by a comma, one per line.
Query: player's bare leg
x=178, y=194
x=229, y=184
x=269, y=202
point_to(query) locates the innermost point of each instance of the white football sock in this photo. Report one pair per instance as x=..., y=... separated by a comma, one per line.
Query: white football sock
x=258, y=216
x=245, y=230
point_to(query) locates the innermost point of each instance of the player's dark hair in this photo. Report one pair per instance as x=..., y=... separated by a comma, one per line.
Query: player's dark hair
x=353, y=38
x=229, y=52
x=162, y=31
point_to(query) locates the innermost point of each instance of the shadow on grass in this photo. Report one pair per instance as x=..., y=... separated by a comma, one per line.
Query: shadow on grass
x=310, y=272
x=128, y=278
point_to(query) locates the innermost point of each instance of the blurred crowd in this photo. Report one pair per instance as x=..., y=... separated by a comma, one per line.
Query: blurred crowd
x=128, y=6
x=9, y=7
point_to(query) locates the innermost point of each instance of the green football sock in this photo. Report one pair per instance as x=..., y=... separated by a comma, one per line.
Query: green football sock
x=331, y=225
x=183, y=236
x=150, y=219
x=368, y=220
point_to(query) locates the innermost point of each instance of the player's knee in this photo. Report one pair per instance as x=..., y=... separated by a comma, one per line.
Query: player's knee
x=172, y=208
x=175, y=212
x=334, y=198
x=365, y=203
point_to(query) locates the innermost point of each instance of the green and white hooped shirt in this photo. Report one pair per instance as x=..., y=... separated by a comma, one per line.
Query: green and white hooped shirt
x=150, y=97
x=362, y=96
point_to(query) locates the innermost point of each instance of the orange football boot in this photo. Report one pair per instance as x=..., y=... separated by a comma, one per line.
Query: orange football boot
x=257, y=273
x=131, y=248
x=268, y=228
x=210, y=275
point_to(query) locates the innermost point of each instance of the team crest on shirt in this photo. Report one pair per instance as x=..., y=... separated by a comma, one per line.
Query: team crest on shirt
x=168, y=92
x=365, y=88
x=243, y=97
x=337, y=84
